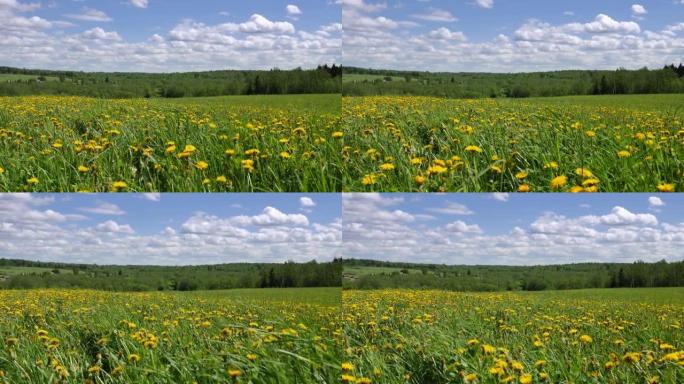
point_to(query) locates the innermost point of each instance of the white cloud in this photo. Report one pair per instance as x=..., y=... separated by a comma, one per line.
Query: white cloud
x=111, y=226
x=485, y=3
x=461, y=227
x=500, y=196
x=152, y=196
x=293, y=10
x=616, y=236
x=436, y=15
x=98, y=33
x=605, y=24
x=255, y=43
x=105, y=209
x=29, y=229
x=445, y=34
x=655, y=202
x=378, y=40
x=260, y=24
x=140, y=3
x=451, y=208
x=306, y=202
x=638, y=10
x=90, y=14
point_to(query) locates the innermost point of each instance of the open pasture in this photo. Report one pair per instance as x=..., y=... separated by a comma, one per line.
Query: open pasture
x=575, y=144
x=584, y=336
x=257, y=336
x=224, y=144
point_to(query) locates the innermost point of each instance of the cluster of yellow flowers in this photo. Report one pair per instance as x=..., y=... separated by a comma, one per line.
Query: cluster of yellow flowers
x=408, y=336
x=96, y=336
x=430, y=144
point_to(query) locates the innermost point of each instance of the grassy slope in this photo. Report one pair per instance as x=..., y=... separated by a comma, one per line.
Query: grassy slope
x=660, y=102
x=650, y=295
x=363, y=271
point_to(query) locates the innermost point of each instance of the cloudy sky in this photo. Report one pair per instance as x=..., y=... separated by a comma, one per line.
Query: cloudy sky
x=170, y=229
x=515, y=229
x=169, y=35
x=512, y=36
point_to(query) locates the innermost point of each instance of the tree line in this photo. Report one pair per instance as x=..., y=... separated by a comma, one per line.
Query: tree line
x=324, y=79
x=513, y=278
x=669, y=79
x=169, y=278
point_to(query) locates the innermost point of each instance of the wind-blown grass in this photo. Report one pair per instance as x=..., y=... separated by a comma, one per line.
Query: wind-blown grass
x=225, y=144
x=590, y=144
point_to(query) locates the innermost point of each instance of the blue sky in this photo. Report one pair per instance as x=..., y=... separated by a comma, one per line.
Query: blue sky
x=170, y=229
x=513, y=229
x=512, y=36
x=148, y=216
x=169, y=35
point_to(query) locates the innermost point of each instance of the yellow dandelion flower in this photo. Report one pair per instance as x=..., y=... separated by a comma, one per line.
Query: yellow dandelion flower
x=666, y=187
x=559, y=182
x=387, y=167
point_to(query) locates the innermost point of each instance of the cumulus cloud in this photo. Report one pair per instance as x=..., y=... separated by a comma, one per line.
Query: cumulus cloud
x=655, y=201
x=451, y=208
x=105, y=209
x=98, y=33
x=485, y=3
x=90, y=14
x=638, y=10
x=500, y=196
x=619, y=235
x=152, y=196
x=436, y=15
x=255, y=43
x=445, y=34
x=293, y=10
x=461, y=227
x=111, y=226
x=31, y=229
x=306, y=202
x=378, y=40
x=140, y=3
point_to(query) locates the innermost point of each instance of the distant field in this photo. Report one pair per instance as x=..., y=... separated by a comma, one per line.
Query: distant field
x=351, y=78
x=13, y=77
x=589, y=336
x=658, y=102
x=13, y=271
x=567, y=144
x=363, y=271
x=246, y=336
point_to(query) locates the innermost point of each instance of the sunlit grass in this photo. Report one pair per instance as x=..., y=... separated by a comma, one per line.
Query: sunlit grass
x=591, y=336
x=589, y=144
x=264, y=143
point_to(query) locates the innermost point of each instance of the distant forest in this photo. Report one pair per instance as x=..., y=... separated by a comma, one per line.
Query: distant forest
x=22, y=274
x=364, y=82
x=19, y=82
x=512, y=278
